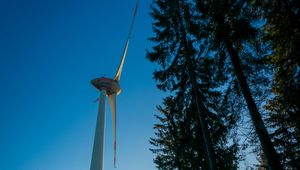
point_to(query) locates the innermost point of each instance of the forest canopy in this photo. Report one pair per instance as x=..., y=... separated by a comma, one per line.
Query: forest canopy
x=231, y=73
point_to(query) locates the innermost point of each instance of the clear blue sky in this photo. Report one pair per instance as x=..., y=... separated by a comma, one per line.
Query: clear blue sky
x=49, y=52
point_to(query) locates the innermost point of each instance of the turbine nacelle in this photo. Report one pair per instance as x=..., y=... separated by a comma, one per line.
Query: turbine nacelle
x=109, y=85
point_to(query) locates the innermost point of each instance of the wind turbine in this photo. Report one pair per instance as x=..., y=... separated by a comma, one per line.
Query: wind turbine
x=111, y=88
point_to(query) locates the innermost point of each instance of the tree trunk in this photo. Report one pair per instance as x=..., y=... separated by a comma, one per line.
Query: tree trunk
x=201, y=109
x=267, y=145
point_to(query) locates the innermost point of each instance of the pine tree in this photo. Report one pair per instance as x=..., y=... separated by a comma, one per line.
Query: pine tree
x=282, y=32
x=195, y=37
x=230, y=30
x=190, y=75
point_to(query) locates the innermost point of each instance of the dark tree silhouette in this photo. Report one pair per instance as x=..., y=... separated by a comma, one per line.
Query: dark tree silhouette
x=282, y=32
x=230, y=26
x=210, y=52
x=195, y=125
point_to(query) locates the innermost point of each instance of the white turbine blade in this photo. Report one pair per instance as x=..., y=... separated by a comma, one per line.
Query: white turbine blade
x=112, y=103
x=119, y=71
x=98, y=149
x=118, y=74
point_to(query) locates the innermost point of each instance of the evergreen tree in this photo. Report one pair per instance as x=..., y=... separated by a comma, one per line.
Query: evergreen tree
x=191, y=76
x=194, y=41
x=231, y=30
x=282, y=32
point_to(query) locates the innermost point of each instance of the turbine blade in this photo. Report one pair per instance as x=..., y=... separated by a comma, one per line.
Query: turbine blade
x=98, y=148
x=96, y=100
x=112, y=103
x=118, y=74
x=119, y=71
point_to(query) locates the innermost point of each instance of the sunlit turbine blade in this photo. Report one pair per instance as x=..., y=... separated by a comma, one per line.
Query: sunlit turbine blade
x=118, y=74
x=119, y=71
x=112, y=103
x=98, y=149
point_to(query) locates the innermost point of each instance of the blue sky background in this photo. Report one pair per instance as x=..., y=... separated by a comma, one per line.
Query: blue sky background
x=49, y=52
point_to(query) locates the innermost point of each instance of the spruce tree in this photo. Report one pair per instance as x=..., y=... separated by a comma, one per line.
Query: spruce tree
x=194, y=42
x=191, y=76
x=230, y=29
x=282, y=32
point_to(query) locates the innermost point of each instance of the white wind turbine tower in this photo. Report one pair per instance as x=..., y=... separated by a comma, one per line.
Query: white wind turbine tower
x=111, y=88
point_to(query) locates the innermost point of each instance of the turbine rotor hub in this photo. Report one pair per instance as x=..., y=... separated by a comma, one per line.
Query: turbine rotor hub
x=109, y=85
